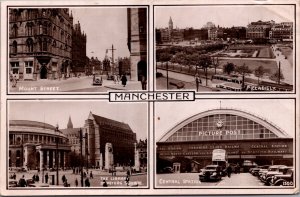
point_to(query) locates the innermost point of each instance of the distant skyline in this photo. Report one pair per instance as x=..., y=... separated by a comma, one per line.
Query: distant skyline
x=224, y=16
x=104, y=27
x=58, y=112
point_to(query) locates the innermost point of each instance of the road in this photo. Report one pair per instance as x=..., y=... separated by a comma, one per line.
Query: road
x=192, y=179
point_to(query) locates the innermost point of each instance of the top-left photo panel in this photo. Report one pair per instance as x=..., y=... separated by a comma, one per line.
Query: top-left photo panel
x=76, y=49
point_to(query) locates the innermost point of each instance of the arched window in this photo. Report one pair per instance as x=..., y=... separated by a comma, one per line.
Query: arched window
x=15, y=30
x=40, y=28
x=14, y=47
x=29, y=45
x=29, y=29
x=45, y=28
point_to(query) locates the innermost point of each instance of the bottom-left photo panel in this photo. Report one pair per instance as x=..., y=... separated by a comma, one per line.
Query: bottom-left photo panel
x=76, y=143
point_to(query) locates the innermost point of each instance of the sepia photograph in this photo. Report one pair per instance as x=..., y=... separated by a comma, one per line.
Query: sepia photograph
x=77, y=49
x=239, y=48
x=219, y=143
x=76, y=144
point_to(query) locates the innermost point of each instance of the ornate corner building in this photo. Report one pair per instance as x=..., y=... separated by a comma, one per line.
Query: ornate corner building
x=40, y=43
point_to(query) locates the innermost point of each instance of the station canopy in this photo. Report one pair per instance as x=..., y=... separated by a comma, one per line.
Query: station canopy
x=223, y=124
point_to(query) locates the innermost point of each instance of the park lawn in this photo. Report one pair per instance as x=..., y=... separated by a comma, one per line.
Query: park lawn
x=252, y=64
x=265, y=52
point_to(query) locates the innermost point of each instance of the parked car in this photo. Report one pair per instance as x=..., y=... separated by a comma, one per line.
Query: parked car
x=12, y=183
x=168, y=170
x=210, y=173
x=281, y=171
x=273, y=170
x=283, y=179
x=255, y=171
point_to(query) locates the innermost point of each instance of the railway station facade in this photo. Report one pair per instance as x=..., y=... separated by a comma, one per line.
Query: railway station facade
x=188, y=146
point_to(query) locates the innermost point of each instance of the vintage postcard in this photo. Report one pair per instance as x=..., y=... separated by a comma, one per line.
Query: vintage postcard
x=149, y=97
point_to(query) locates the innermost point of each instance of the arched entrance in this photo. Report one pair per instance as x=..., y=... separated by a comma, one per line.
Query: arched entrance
x=142, y=69
x=43, y=72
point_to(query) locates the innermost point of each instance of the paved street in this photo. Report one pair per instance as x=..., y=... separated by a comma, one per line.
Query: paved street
x=136, y=180
x=192, y=179
x=74, y=84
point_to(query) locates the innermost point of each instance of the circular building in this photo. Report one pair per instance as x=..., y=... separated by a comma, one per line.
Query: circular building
x=32, y=145
x=188, y=146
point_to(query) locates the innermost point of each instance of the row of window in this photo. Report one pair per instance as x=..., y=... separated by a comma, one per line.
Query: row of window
x=18, y=140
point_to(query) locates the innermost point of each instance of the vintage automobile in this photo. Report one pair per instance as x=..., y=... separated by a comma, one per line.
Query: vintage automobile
x=97, y=80
x=255, y=171
x=283, y=179
x=12, y=183
x=167, y=170
x=210, y=173
x=273, y=170
x=281, y=171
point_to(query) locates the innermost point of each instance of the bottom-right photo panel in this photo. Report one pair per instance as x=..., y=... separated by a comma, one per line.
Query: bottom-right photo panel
x=220, y=143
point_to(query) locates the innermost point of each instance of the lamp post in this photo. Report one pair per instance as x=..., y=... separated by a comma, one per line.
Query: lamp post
x=56, y=155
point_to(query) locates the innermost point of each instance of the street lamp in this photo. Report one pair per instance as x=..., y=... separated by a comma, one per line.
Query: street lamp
x=56, y=155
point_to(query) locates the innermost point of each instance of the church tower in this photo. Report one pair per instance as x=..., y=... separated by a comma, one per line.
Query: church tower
x=170, y=24
x=70, y=124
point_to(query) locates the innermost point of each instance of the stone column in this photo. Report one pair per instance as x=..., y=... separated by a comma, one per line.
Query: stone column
x=53, y=158
x=65, y=159
x=25, y=153
x=41, y=159
x=59, y=159
x=48, y=158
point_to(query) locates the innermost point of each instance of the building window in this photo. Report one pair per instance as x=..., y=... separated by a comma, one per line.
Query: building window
x=29, y=45
x=15, y=67
x=15, y=30
x=45, y=29
x=29, y=29
x=45, y=45
x=14, y=47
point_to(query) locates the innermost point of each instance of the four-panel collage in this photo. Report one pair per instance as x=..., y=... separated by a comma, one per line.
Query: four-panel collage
x=62, y=132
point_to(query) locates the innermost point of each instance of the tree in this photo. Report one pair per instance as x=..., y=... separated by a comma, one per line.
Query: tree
x=215, y=63
x=277, y=76
x=204, y=61
x=259, y=73
x=228, y=68
x=243, y=70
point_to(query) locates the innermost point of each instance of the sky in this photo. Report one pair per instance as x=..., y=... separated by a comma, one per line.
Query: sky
x=104, y=27
x=278, y=111
x=58, y=112
x=225, y=16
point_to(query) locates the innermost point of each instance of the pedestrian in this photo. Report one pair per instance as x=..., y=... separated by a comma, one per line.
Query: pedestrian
x=91, y=175
x=46, y=177
x=14, y=81
x=66, y=183
x=76, y=182
x=104, y=183
x=87, y=182
x=128, y=173
x=73, y=170
x=124, y=80
x=197, y=79
x=144, y=82
x=63, y=178
x=37, y=178
x=127, y=180
x=229, y=171
x=84, y=174
x=33, y=177
x=14, y=176
x=22, y=182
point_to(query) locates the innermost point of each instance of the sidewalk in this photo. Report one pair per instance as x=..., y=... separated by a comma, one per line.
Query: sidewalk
x=242, y=179
x=131, y=85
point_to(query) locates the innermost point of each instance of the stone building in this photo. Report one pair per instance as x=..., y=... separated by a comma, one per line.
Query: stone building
x=32, y=145
x=79, y=63
x=137, y=41
x=259, y=29
x=109, y=138
x=40, y=43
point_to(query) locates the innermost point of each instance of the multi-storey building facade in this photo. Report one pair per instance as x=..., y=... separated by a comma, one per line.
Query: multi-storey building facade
x=79, y=63
x=259, y=29
x=282, y=31
x=40, y=43
x=137, y=42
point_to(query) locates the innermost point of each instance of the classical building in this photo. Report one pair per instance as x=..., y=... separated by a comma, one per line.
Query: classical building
x=79, y=63
x=40, y=43
x=137, y=42
x=142, y=151
x=282, y=31
x=32, y=145
x=259, y=29
x=109, y=142
x=189, y=144
x=215, y=33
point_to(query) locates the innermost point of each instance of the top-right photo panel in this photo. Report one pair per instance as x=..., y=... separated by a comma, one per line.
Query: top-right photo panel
x=225, y=48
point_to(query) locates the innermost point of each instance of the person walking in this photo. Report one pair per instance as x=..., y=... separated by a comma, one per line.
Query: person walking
x=22, y=182
x=63, y=178
x=87, y=182
x=124, y=80
x=197, y=79
x=37, y=178
x=127, y=180
x=104, y=183
x=229, y=171
x=76, y=182
x=144, y=82
x=46, y=178
x=91, y=175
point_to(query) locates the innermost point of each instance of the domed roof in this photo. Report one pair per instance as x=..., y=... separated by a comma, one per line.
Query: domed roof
x=30, y=123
